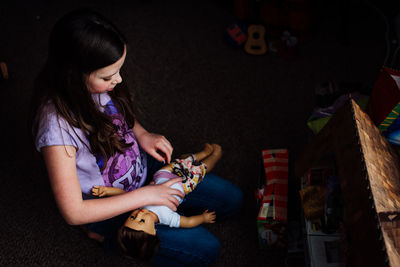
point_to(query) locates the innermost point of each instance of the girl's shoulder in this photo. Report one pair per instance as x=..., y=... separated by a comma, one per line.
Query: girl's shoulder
x=53, y=129
x=48, y=116
x=47, y=109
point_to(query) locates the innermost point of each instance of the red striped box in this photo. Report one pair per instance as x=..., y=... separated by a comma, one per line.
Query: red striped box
x=272, y=216
x=276, y=166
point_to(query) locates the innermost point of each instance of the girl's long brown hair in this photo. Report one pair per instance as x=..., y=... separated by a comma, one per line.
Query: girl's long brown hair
x=81, y=42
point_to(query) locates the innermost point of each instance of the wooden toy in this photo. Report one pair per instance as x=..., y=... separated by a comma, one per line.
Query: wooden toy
x=255, y=44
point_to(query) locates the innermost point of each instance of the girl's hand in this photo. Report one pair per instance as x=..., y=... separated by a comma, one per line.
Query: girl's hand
x=156, y=145
x=163, y=194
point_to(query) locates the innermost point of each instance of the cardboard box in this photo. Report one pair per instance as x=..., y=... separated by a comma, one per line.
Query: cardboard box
x=368, y=167
x=272, y=216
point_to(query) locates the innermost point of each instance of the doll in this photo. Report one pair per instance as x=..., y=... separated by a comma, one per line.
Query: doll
x=137, y=237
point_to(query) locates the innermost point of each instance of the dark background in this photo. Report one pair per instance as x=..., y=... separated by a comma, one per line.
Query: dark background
x=192, y=87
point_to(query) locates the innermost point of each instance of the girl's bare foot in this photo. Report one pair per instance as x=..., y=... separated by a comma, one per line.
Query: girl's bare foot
x=92, y=235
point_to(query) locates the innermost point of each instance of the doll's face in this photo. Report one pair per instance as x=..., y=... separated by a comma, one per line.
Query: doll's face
x=142, y=220
x=105, y=79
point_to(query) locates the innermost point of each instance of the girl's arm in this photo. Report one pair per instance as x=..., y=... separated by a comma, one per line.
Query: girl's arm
x=153, y=144
x=193, y=221
x=61, y=167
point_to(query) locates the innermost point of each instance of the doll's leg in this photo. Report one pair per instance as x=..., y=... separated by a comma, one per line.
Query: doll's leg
x=207, y=151
x=186, y=246
x=213, y=158
x=199, y=156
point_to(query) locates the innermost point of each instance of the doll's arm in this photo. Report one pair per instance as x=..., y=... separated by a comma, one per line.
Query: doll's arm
x=104, y=191
x=193, y=221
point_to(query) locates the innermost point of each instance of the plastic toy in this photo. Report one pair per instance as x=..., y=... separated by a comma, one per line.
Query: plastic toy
x=236, y=35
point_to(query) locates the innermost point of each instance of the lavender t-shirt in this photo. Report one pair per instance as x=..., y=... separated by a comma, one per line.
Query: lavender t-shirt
x=127, y=171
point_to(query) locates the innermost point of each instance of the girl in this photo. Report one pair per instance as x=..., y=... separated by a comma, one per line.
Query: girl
x=87, y=132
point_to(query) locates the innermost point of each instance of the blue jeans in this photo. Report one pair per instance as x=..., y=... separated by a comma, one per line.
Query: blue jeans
x=185, y=246
x=197, y=246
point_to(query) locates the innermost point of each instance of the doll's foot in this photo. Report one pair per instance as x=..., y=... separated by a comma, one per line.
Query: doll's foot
x=217, y=151
x=207, y=151
x=208, y=148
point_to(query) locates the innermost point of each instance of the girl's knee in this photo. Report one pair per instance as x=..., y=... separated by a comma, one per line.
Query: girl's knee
x=209, y=252
x=214, y=246
x=236, y=197
x=199, y=249
x=233, y=201
x=207, y=249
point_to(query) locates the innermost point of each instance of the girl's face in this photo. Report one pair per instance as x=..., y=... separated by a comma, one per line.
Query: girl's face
x=105, y=79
